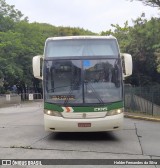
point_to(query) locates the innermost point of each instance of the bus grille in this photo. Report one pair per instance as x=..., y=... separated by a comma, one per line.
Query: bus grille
x=84, y=115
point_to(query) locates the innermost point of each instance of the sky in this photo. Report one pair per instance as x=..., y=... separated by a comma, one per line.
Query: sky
x=93, y=15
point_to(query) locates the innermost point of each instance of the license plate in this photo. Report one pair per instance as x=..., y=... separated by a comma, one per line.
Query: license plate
x=84, y=124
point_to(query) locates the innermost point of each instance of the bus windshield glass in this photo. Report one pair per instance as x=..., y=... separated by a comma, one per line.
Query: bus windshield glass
x=81, y=47
x=71, y=82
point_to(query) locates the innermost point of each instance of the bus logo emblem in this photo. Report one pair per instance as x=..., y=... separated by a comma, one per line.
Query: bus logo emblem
x=84, y=115
x=100, y=109
x=67, y=109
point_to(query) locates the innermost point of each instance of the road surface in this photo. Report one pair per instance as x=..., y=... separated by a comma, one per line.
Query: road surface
x=22, y=136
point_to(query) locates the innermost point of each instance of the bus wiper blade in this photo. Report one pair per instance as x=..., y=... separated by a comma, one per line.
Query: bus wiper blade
x=95, y=93
x=67, y=97
x=70, y=92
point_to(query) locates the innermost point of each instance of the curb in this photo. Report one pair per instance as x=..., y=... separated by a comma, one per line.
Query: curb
x=142, y=117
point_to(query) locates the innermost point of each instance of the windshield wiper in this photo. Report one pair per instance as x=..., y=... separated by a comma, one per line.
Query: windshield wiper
x=70, y=92
x=91, y=87
x=94, y=92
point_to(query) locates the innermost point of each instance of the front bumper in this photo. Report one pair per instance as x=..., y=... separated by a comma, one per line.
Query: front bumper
x=60, y=124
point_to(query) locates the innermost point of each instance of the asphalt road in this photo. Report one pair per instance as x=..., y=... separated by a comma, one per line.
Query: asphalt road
x=22, y=136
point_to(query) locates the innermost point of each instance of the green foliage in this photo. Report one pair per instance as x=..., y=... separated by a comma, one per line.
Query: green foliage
x=19, y=42
x=121, y=33
x=10, y=11
x=142, y=41
x=153, y=3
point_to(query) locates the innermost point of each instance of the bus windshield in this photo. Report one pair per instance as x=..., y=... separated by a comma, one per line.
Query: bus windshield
x=81, y=47
x=82, y=81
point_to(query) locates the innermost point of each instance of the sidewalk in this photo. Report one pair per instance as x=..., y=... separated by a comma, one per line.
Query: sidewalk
x=141, y=116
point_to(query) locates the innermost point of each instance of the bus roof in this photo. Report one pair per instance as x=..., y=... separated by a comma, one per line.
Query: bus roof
x=80, y=37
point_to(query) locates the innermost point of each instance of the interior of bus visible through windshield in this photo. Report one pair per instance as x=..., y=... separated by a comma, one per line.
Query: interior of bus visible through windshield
x=95, y=81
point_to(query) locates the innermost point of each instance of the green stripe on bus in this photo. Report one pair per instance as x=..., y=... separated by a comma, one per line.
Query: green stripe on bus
x=97, y=108
x=54, y=107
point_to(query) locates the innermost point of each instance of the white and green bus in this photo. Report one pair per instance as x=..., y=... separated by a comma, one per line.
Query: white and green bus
x=82, y=83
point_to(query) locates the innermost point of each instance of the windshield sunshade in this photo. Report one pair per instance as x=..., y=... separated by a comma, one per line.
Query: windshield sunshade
x=83, y=47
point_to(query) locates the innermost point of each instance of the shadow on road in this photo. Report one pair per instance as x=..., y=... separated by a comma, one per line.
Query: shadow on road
x=84, y=136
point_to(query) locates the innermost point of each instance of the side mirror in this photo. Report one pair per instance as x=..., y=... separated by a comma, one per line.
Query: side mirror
x=36, y=64
x=126, y=64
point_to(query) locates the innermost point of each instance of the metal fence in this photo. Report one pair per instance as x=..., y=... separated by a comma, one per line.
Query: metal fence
x=14, y=99
x=31, y=96
x=9, y=99
x=145, y=100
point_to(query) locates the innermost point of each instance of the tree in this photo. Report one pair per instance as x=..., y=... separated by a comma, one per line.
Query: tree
x=10, y=11
x=19, y=42
x=121, y=33
x=6, y=23
x=153, y=3
x=142, y=41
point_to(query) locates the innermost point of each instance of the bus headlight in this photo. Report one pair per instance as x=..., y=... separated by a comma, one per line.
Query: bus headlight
x=52, y=113
x=114, y=112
